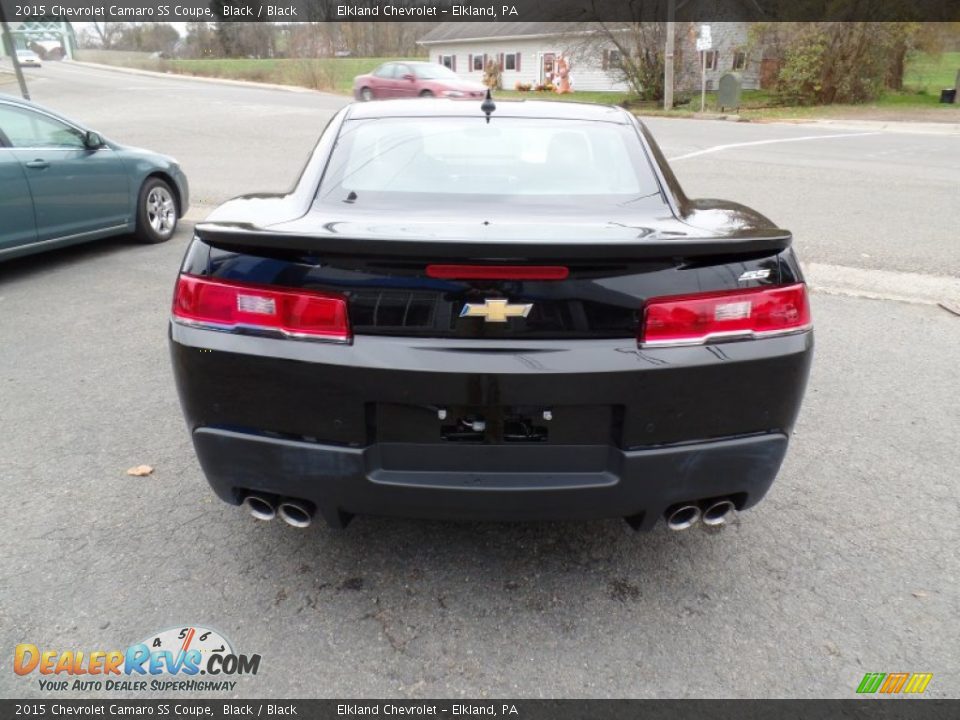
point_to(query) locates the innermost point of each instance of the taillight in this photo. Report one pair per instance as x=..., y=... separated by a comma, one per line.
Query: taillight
x=221, y=305
x=498, y=272
x=692, y=319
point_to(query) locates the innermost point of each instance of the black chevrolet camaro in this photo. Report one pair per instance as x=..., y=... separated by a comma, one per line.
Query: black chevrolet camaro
x=490, y=312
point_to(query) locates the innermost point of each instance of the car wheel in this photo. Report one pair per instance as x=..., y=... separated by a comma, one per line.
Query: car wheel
x=366, y=94
x=156, y=212
x=426, y=93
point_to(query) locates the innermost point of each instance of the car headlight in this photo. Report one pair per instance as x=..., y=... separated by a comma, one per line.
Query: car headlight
x=452, y=93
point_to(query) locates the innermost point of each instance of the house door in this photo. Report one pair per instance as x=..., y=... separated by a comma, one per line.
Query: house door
x=548, y=63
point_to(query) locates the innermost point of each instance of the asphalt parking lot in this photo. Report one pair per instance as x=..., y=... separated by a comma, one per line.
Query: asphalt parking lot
x=849, y=566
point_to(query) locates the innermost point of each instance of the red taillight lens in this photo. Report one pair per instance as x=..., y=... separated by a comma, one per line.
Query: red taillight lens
x=236, y=306
x=689, y=319
x=498, y=272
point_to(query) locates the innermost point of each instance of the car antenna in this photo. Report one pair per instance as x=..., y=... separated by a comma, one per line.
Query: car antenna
x=488, y=106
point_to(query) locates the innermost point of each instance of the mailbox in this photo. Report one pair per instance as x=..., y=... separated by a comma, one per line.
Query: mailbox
x=728, y=91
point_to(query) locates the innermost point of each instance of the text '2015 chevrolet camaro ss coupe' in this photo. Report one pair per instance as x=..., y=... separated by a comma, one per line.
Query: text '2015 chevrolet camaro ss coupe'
x=502, y=311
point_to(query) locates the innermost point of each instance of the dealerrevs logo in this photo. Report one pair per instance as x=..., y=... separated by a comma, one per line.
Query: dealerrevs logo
x=183, y=653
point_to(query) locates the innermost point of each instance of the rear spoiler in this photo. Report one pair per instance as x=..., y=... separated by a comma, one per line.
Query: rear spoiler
x=753, y=242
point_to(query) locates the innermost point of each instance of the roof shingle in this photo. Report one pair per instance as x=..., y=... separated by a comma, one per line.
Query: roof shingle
x=462, y=31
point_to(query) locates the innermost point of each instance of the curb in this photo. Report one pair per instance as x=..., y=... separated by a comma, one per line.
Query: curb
x=729, y=117
x=901, y=126
x=204, y=79
x=908, y=287
x=912, y=127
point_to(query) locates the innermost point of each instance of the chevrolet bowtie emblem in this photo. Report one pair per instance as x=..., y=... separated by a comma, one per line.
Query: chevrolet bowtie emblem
x=497, y=310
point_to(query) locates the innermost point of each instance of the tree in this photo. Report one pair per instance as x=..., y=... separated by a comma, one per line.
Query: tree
x=836, y=62
x=200, y=41
x=108, y=32
x=633, y=53
x=148, y=37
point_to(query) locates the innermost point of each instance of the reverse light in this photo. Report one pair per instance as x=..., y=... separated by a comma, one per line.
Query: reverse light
x=700, y=318
x=498, y=272
x=229, y=306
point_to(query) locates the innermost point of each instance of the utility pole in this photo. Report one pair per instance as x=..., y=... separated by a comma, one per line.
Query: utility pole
x=7, y=40
x=668, y=57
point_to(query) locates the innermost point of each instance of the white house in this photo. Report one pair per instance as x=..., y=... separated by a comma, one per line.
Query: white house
x=527, y=52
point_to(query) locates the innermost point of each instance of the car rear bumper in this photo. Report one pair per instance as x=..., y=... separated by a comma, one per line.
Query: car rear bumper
x=358, y=429
x=489, y=483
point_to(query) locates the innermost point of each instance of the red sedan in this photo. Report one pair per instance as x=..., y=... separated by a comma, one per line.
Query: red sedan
x=414, y=79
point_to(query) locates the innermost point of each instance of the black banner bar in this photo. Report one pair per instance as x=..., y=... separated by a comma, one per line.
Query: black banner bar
x=873, y=709
x=499, y=11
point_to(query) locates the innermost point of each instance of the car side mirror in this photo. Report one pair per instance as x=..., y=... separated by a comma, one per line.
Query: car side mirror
x=410, y=76
x=92, y=140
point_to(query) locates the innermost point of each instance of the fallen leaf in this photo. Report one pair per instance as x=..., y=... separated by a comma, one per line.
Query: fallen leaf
x=140, y=471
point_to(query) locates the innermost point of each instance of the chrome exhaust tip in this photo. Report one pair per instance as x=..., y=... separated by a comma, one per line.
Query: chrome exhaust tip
x=295, y=512
x=259, y=507
x=682, y=517
x=716, y=513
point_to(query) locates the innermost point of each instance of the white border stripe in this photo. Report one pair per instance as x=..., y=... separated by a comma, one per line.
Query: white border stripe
x=718, y=148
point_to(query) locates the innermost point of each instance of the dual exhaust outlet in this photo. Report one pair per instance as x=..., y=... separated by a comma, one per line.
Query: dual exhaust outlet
x=712, y=514
x=298, y=513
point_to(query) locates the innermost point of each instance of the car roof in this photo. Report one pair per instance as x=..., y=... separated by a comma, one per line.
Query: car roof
x=541, y=109
x=14, y=100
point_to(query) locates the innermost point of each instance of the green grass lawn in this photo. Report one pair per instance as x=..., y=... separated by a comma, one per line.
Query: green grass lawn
x=334, y=74
x=931, y=74
x=590, y=96
x=331, y=74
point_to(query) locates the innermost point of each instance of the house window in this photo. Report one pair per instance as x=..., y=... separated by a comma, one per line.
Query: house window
x=711, y=57
x=614, y=59
x=510, y=61
x=739, y=60
x=478, y=62
x=447, y=61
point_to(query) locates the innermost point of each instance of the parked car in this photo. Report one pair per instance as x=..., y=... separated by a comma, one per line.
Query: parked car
x=414, y=79
x=61, y=184
x=489, y=311
x=28, y=58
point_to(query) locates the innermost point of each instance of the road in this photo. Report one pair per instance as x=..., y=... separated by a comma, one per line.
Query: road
x=848, y=566
x=236, y=139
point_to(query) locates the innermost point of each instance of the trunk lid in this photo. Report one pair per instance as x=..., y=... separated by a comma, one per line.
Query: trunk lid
x=612, y=266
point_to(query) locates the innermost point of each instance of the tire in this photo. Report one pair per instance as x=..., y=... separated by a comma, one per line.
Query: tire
x=426, y=93
x=366, y=94
x=157, y=212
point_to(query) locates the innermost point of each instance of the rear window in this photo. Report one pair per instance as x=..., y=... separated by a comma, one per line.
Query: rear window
x=429, y=159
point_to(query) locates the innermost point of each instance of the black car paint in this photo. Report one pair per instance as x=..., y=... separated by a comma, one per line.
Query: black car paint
x=356, y=429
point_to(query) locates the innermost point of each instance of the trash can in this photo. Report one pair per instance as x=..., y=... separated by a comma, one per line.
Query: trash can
x=948, y=95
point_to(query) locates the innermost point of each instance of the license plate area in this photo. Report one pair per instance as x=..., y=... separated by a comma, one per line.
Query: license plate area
x=508, y=425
